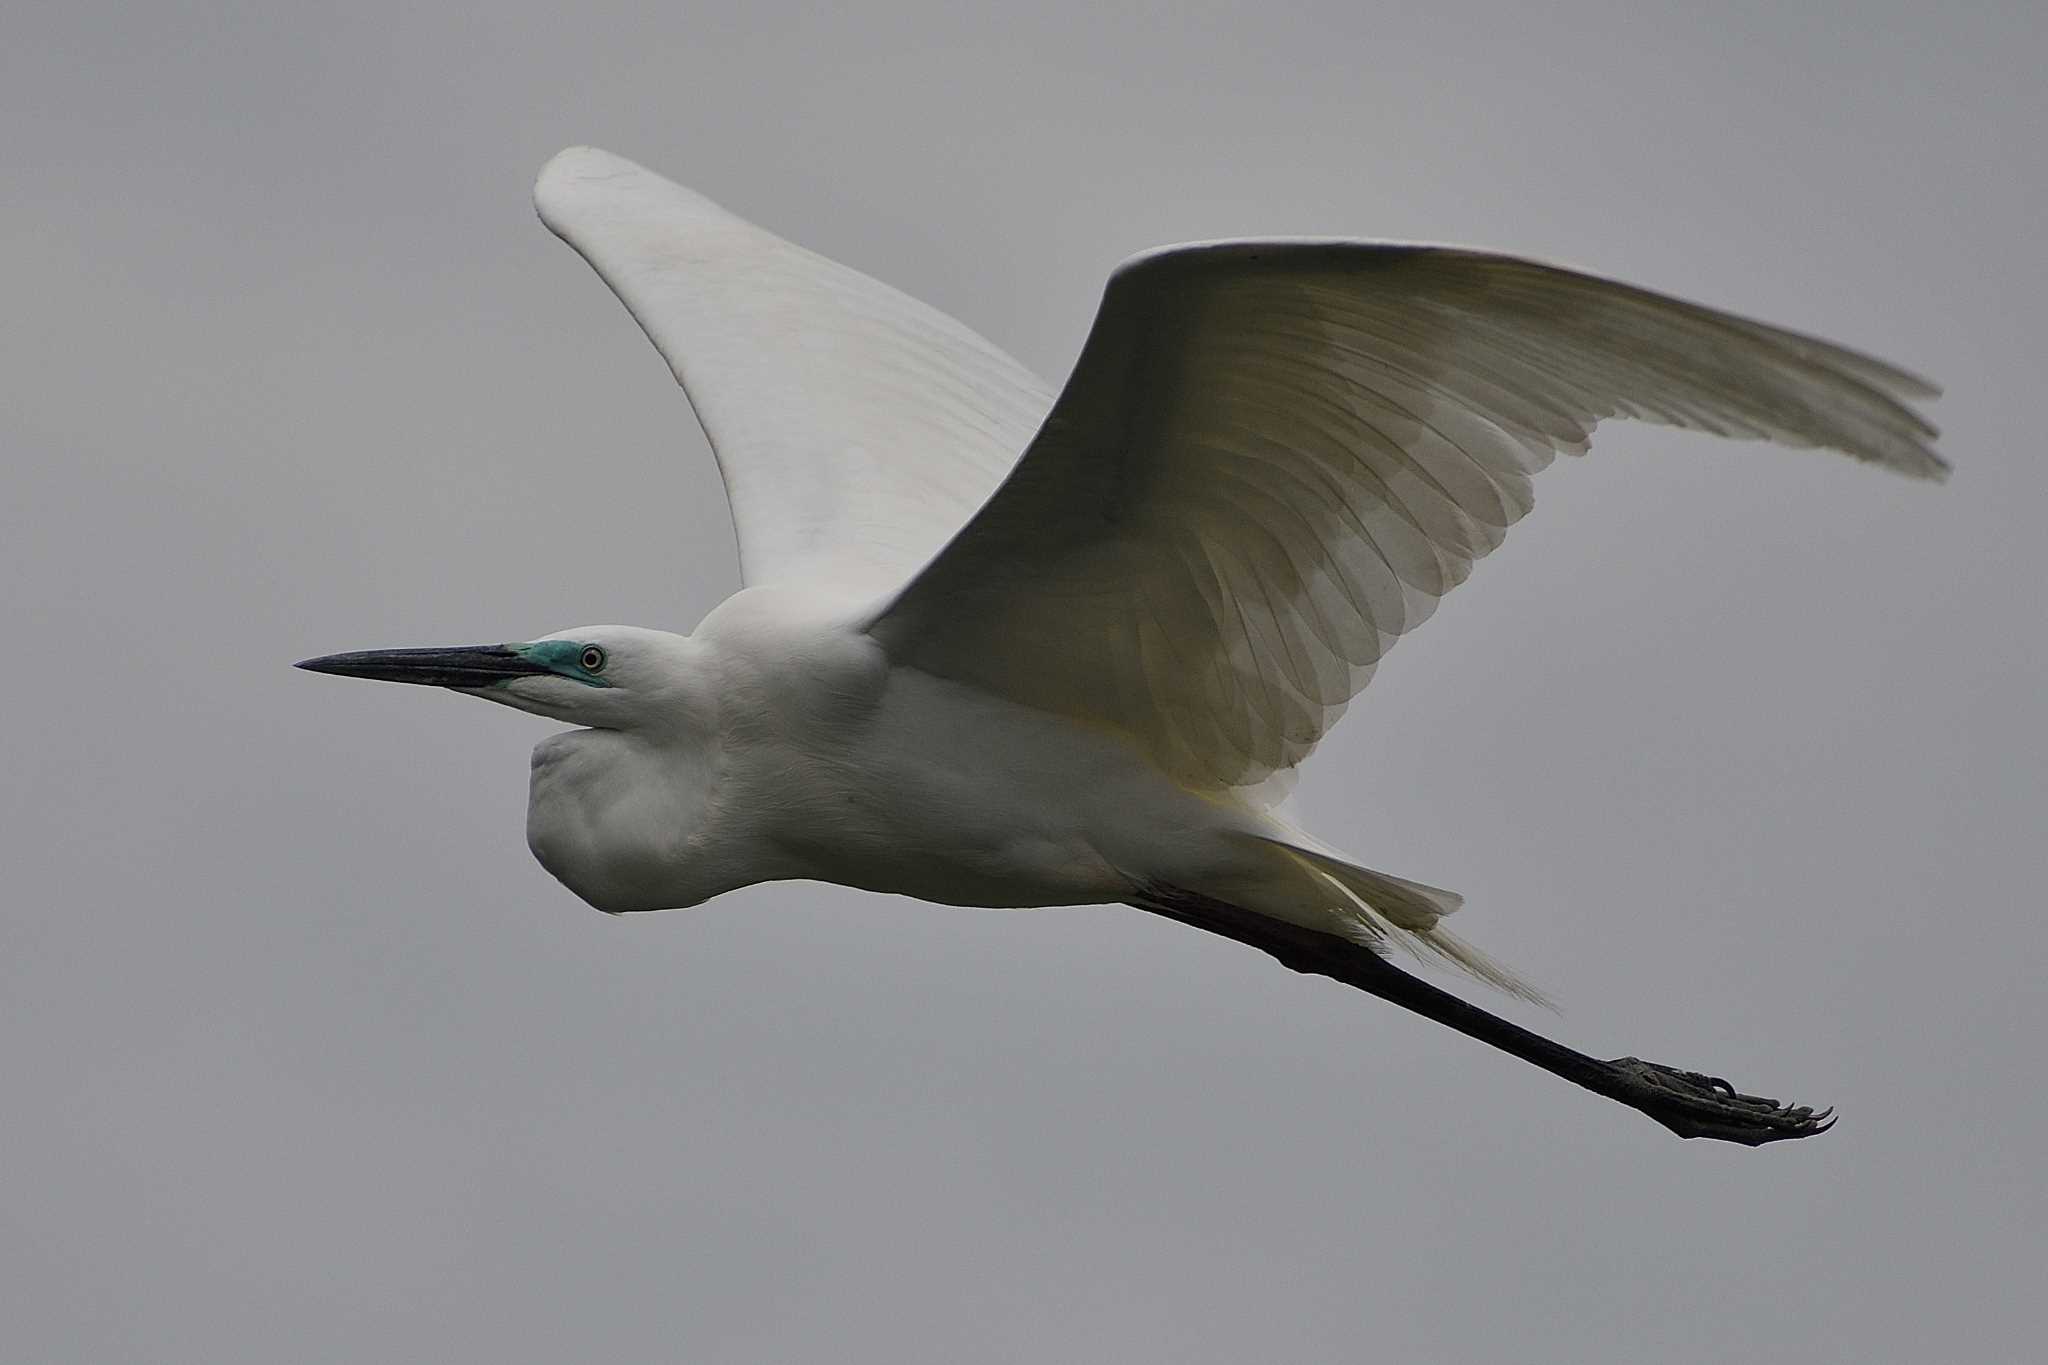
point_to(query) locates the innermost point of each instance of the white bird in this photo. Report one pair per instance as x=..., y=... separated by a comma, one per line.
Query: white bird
x=997, y=647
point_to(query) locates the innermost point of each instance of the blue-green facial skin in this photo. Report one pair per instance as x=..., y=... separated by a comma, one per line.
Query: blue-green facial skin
x=561, y=657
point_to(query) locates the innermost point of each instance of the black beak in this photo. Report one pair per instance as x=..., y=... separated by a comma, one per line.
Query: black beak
x=458, y=666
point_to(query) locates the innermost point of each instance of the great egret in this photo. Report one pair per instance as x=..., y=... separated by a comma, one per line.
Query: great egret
x=1001, y=648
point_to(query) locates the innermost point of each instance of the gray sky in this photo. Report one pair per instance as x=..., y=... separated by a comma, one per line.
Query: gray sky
x=1737, y=751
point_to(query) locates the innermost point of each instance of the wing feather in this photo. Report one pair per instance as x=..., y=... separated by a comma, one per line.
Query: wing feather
x=855, y=428
x=1274, y=458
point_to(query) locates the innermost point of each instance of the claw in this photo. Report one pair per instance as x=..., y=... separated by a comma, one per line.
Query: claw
x=1693, y=1104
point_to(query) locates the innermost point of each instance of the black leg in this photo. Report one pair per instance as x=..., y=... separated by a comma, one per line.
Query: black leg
x=1688, y=1103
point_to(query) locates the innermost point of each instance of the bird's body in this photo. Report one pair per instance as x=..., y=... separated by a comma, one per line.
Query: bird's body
x=998, y=648
x=801, y=752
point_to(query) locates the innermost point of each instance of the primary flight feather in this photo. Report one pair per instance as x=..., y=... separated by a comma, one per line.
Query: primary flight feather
x=998, y=647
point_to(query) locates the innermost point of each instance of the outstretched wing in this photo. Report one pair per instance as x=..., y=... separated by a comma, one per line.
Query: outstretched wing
x=1273, y=458
x=856, y=428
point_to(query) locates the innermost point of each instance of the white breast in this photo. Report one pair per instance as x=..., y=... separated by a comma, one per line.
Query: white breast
x=624, y=825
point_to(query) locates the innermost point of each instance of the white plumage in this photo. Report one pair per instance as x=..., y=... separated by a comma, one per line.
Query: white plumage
x=1001, y=648
x=856, y=428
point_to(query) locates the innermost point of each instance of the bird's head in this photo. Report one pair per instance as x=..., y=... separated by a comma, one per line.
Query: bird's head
x=606, y=677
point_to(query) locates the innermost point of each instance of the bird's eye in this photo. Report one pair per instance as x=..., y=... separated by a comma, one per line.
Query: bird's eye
x=592, y=659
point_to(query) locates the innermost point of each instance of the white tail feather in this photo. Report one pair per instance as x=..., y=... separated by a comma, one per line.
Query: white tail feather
x=1392, y=909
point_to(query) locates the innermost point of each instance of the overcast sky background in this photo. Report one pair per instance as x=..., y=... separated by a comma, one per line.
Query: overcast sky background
x=1738, y=751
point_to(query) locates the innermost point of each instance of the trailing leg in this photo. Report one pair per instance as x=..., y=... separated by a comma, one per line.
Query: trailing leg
x=1688, y=1103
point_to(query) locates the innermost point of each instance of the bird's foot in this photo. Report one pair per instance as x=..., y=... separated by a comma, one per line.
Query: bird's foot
x=1694, y=1105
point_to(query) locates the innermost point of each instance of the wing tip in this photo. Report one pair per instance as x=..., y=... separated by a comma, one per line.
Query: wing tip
x=573, y=169
x=584, y=162
x=1929, y=467
x=584, y=192
x=1912, y=385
